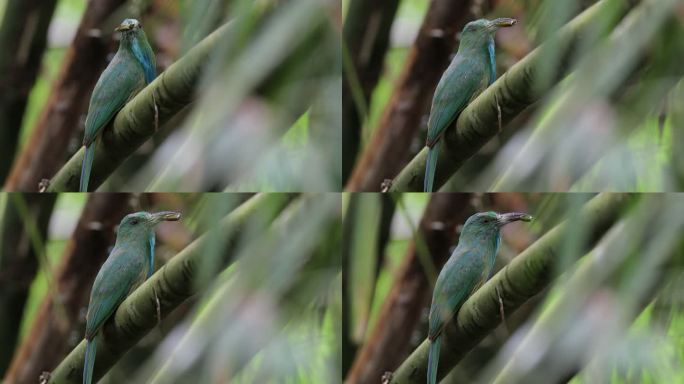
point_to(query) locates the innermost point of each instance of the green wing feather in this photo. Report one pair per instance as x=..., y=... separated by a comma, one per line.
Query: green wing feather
x=120, y=81
x=458, y=85
x=454, y=284
x=113, y=283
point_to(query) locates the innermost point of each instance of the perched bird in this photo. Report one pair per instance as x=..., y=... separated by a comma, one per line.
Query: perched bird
x=471, y=71
x=129, y=264
x=130, y=70
x=469, y=266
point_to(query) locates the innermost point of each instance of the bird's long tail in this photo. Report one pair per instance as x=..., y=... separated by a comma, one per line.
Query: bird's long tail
x=433, y=359
x=91, y=348
x=431, y=166
x=87, y=166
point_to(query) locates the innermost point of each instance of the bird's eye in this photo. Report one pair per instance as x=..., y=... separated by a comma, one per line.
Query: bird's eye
x=139, y=25
x=134, y=221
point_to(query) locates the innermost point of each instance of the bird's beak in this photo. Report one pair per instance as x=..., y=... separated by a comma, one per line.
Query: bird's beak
x=502, y=22
x=165, y=216
x=122, y=27
x=505, y=218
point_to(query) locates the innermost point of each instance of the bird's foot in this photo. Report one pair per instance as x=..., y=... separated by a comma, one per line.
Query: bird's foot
x=44, y=377
x=43, y=185
x=386, y=185
x=387, y=377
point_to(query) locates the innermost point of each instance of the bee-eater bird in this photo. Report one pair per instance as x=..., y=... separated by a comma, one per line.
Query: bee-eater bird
x=132, y=67
x=471, y=71
x=469, y=266
x=129, y=264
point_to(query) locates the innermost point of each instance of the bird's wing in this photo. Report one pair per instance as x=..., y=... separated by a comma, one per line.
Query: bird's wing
x=118, y=83
x=112, y=285
x=457, y=280
x=454, y=91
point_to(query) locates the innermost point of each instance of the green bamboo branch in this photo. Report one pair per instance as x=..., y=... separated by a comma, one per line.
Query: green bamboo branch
x=136, y=122
x=527, y=275
x=513, y=92
x=171, y=285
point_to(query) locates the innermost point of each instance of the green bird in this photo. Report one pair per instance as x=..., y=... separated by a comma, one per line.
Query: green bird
x=469, y=266
x=130, y=70
x=129, y=264
x=471, y=71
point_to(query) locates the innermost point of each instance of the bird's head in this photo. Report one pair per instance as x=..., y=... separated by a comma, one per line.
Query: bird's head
x=477, y=33
x=128, y=26
x=489, y=223
x=142, y=222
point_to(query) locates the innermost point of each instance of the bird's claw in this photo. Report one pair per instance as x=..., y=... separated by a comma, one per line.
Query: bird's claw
x=386, y=185
x=43, y=185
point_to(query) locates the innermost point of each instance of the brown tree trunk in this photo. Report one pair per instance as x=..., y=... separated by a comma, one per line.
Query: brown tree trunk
x=59, y=319
x=389, y=344
x=23, y=37
x=60, y=120
x=388, y=151
x=366, y=39
x=25, y=218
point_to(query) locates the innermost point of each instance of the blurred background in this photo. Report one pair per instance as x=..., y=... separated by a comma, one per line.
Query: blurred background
x=263, y=114
x=590, y=290
x=598, y=107
x=250, y=289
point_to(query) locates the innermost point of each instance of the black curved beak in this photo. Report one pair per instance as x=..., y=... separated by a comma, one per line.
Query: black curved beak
x=166, y=216
x=502, y=22
x=505, y=218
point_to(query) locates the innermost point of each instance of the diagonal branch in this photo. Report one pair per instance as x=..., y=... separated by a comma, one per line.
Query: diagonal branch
x=528, y=274
x=513, y=92
x=172, y=285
